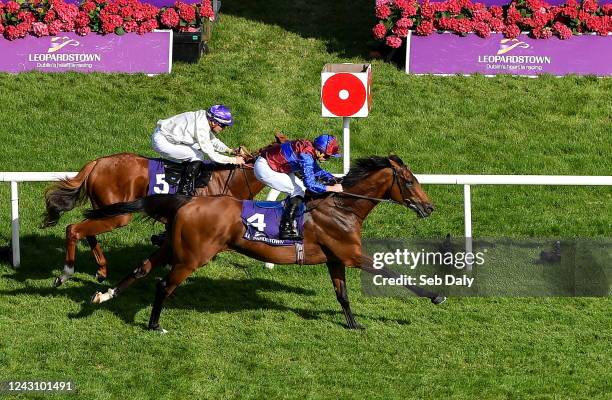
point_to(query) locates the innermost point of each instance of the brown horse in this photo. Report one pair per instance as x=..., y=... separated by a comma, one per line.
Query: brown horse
x=123, y=178
x=332, y=228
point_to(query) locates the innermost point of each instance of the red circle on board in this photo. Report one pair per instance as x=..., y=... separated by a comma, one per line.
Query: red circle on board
x=330, y=94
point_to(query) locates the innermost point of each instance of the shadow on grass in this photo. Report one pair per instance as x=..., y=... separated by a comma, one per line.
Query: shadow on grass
x=209, y=295
x=344, y=25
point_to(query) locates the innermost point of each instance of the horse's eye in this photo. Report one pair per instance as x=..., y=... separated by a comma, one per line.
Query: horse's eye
x=408, y=184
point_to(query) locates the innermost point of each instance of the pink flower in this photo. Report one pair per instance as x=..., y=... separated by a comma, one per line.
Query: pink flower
x=12, y=7
x=497, y=25
x=169, y=18
x=55, y=27
x=393, y=41
x=401, y=32
x=67, y=12
x=563, y=31
x=513, y=15
x=408, y=7
x=84, y=30
x=512, y=31
x=81, y=20
x=11, y=32
x=88, y=6
x=126, y=11
x=589, y=5
x=482, y=29
x=130, y=26
x=497, y=11
x=404, y=23
x=1, y=29
x=49, y=17
x=427, y=10
x=425, y=28
x=379, y=31
x=40, y=29
x=383, y=11
x=541, y=33
x=186, y=12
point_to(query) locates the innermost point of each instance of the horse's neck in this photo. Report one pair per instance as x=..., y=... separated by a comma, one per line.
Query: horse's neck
x=374, y=187
x=243, y=184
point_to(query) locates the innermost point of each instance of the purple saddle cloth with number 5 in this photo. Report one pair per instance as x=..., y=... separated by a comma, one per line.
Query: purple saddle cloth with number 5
x=262, y=220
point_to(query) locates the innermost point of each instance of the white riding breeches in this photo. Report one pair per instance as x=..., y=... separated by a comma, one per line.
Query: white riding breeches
x=286, y=183
x=175, y=152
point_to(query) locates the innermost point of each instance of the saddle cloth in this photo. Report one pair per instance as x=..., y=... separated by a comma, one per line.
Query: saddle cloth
x=262, y=219
x=165, y=176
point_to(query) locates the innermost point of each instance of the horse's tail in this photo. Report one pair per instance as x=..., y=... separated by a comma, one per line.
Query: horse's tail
x=161, y=207
x=65, y=195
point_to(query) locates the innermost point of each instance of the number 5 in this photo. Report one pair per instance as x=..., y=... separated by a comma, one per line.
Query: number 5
x=160, y=179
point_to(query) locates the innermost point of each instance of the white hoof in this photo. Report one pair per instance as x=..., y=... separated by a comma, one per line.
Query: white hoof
x=100, y=297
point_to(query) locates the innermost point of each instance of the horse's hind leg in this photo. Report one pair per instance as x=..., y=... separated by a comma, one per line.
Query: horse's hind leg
x=160, y=257
x=337, y=272
x=96, y=250
x=79, y=231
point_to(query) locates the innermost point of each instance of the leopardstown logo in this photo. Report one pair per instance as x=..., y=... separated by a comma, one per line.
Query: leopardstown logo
x=54, y=54
x=507, y=45
x=58, y=43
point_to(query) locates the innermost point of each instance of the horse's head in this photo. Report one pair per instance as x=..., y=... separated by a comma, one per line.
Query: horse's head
x=406, y=189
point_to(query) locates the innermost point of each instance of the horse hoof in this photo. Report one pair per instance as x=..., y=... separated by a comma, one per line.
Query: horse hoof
x=58, y=282
x=95, y=299
x=158, y=329
x=100, y=278
x=438, y=299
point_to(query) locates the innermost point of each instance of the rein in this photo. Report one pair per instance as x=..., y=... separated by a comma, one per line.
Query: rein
x=359, y=196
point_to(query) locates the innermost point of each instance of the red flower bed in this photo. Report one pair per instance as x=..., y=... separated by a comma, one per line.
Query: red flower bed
x=536, y=17
x=49, y=17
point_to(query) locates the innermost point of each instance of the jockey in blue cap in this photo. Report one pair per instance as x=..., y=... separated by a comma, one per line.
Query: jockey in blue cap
x=291, y=168
x=190, y=137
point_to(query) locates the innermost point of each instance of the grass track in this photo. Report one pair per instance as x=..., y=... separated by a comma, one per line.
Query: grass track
x=238, y=331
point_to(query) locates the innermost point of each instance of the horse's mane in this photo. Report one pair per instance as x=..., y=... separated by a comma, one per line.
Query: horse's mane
x=362, y=167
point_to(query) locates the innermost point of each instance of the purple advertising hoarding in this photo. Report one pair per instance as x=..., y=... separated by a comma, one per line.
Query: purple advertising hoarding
x=449, y=54
x=150, y=53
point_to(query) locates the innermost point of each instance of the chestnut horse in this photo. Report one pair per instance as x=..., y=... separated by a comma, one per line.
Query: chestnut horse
x=332, y=228
x=122, y=178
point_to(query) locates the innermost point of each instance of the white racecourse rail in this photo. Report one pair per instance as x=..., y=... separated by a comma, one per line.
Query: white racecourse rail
x=466, y=180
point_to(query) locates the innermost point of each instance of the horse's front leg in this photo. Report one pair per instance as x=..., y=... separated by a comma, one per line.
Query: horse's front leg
x=337, y=272
x=160, y=257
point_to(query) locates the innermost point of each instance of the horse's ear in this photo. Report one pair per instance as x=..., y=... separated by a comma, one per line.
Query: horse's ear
x=395, y=161
x=280, y=137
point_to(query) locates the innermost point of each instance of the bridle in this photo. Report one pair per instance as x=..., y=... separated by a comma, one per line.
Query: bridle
x=396, y=181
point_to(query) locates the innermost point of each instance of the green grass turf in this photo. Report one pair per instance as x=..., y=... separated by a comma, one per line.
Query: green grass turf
x=239, y=331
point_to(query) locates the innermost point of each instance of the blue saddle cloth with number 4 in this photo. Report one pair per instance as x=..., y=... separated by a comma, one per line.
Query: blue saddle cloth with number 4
x=262, y=221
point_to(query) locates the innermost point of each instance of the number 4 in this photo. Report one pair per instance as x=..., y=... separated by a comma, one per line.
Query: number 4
x=257, y=220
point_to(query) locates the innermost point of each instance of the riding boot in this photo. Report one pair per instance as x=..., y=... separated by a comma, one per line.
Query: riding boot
x=187, y=184
x=288, y=226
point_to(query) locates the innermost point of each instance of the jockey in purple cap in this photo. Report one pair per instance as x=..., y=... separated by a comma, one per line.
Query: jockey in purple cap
x=190, y=137
x=291, y=168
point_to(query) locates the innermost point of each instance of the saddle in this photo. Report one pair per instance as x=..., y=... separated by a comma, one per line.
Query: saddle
x=174, y=171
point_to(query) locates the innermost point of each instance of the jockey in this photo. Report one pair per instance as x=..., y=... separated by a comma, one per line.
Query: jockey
x=190, y=137
x=291, y=167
